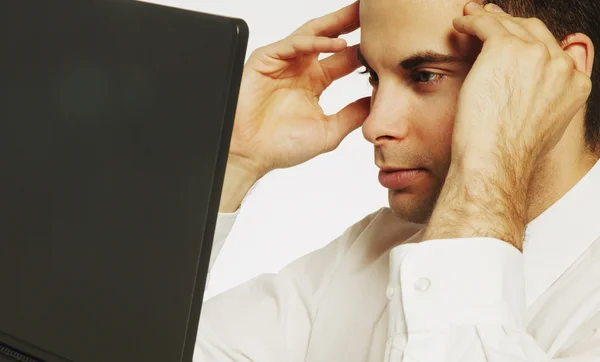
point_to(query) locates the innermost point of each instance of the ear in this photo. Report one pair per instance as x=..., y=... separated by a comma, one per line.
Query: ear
x=581, y=49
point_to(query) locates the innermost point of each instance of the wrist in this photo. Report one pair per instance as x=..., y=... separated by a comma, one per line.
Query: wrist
x=238, y=181
x=501, y=181
x=496, y=159
x=481, y=197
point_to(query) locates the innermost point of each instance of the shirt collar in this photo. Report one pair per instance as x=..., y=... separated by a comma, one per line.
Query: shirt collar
x=561, y=234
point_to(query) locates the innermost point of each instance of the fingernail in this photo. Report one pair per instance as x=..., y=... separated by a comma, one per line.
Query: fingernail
x=474, y=5
x=494, y=8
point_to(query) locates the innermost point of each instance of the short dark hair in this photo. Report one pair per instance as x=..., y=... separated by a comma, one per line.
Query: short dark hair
x=564, y=17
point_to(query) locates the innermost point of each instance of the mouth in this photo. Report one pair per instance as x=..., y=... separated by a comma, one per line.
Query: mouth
x=393, y=169
x=398, y=178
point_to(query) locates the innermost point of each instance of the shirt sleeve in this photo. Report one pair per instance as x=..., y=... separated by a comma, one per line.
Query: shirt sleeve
x=464, y=301
x=269, y=318
x=225, y=222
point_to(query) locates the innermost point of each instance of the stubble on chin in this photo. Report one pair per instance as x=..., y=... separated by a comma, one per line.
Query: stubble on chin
x=416, y=210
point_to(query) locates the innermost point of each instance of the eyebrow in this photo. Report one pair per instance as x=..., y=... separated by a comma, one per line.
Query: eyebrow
x=417, y=59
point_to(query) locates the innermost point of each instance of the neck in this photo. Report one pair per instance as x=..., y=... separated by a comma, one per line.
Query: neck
x=555, y=175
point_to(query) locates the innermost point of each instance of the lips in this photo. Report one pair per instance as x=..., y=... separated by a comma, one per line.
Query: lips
x=398, y=178
x=390, y=169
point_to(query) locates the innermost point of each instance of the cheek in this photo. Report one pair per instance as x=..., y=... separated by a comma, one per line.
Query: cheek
x=440, y=133
x=438, y=115
x=437, y=124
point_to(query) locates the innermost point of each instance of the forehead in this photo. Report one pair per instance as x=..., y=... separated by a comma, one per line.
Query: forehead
x=400, y=28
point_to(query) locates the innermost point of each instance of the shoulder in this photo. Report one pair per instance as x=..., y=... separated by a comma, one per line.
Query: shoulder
x=284, y=304
x=364, y=242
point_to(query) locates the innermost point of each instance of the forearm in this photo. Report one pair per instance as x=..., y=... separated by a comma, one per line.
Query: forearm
x=482, y=199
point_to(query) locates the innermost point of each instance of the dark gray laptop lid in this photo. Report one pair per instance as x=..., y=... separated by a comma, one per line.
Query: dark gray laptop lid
x=115, y=121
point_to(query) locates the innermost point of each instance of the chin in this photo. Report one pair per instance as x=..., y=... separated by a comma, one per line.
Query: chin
x=412, y=205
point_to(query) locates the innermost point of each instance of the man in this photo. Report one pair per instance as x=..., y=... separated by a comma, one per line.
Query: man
x=484, y=126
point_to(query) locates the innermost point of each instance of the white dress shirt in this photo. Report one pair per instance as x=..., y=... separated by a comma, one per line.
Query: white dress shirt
x=377, y=293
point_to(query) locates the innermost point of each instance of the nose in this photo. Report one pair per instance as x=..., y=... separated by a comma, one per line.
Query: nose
x=389, y=119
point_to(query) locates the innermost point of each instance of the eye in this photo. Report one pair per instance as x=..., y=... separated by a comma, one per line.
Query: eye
x=373, y=79
x=427, y=77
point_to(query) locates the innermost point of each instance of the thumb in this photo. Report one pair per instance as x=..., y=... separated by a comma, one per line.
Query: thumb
x=348, y=119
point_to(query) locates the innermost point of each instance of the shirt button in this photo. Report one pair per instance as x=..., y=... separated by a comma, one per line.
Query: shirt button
x=390, y=292
x=422, y=284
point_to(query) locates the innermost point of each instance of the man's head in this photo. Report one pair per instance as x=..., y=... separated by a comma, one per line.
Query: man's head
x=418, y=62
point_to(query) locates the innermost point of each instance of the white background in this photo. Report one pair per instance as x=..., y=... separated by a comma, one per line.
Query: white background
x=292, y=212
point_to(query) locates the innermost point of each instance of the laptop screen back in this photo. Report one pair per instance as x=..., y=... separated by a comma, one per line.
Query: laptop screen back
x=115, y=118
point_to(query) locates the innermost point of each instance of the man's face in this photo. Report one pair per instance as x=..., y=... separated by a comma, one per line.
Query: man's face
x=418, y=64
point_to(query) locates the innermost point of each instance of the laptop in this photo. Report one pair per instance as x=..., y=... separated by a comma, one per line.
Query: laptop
x=115, y=123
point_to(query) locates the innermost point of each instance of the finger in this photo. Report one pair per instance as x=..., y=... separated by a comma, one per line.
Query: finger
x=515, y=28
x=531, y=30
x=347, y=120
x=478, y=22
x=341, y=64
x=347, y=30
x=511, y=23
x=584, y=83
x=343, y=21
x=494, y=8
x=541, y=32
x=297, y=45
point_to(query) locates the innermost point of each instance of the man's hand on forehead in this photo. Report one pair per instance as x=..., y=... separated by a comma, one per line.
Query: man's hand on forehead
x=514, y=106
x=279, y=122
x=522, y=75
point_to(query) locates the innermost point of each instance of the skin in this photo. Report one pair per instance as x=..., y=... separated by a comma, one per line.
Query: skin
x=492, y=162
x=521, y=95
x=411, y=123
